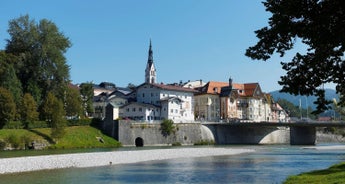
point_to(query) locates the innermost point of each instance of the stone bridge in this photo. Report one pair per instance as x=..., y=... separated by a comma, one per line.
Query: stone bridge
x=296, y=133
x=131, y=133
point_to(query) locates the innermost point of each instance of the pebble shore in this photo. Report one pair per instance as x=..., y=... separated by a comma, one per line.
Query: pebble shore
x=80, y=160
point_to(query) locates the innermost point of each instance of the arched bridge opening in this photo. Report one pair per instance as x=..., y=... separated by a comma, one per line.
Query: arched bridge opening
x=139, y=142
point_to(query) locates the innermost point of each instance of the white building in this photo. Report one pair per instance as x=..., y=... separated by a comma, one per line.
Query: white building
x=117, y=98
x=140, y=112
x=158, y=101
x=176, y=102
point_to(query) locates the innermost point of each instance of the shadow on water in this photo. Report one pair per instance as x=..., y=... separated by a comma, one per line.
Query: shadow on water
x=45, y=136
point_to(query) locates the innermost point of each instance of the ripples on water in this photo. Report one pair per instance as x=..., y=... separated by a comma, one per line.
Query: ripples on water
x=269, y=164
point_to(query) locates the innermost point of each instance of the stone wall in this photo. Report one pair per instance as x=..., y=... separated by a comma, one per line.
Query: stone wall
x=150, y=134
x=322, y=137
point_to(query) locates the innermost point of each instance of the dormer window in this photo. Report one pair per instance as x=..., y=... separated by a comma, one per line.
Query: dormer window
x=215, y=89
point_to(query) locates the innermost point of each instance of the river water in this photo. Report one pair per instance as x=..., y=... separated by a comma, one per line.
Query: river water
x=268, y=164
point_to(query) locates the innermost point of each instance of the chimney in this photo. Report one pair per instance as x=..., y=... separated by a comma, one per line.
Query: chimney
x=230, y=83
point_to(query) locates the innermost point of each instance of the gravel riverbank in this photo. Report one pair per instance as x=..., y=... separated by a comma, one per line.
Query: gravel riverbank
x=35, y=163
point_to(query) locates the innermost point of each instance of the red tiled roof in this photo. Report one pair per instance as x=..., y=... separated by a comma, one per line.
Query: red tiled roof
x=214, y=87
x=249, y=89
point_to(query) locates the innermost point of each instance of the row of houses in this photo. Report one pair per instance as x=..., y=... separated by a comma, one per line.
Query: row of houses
x=186, y=102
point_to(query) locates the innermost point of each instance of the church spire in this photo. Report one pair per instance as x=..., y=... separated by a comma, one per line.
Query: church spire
x=150, y=58
x=150, y=71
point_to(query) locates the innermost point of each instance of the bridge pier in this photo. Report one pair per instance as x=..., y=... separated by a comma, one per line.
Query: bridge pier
x=302, y=135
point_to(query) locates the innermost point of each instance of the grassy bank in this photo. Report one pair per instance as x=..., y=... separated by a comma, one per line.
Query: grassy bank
x=75, y=137
x=334, y=174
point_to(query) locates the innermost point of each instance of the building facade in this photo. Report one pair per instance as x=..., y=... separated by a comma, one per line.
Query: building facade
x=207, y=101
x=175, y=101
x=228, y=101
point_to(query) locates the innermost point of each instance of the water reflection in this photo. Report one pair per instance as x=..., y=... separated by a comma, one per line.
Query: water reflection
x=270, y=164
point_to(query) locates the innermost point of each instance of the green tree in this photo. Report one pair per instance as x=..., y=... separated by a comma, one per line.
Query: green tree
x=289, y=107
x=8, y=77
x=58, y=122
x=28, y=109
x=320, y=26
x=54, y=114
x=73, y=104
x=7, y=107
x=86, y=91
x=40, y=48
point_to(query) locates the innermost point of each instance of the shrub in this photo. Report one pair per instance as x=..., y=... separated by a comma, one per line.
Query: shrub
x=79, y=122
x=37, y=124
x=167, y=127
x=13, y=125
x=176, y=144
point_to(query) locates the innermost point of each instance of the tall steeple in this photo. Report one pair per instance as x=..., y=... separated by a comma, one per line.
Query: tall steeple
x=150, y=71
x=150, y=58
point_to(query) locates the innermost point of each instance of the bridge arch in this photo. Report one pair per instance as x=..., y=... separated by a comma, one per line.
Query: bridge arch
x=139, y=142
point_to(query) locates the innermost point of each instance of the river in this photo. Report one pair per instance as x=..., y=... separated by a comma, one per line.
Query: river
x=268, y=164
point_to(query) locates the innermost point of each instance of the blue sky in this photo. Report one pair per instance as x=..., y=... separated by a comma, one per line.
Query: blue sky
x=191, y=39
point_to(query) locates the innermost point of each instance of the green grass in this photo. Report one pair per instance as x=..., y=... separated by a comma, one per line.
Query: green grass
x=5, y=133
x=75, y=137
x=334, y=174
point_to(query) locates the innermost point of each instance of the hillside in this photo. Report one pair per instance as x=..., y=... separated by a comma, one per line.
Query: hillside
x=305, y=101
x=75, y=137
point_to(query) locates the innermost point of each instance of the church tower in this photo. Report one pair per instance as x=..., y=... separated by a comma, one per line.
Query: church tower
x=150, y=71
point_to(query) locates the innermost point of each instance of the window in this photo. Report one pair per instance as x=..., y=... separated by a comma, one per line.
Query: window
x=164, y=109
x=172, y=110
x=143, y=94
x=127, y=109
x=151, y=94
x=140, y=109
x=133, y=109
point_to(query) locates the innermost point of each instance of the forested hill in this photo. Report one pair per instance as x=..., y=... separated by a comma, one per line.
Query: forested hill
x=330, y=94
